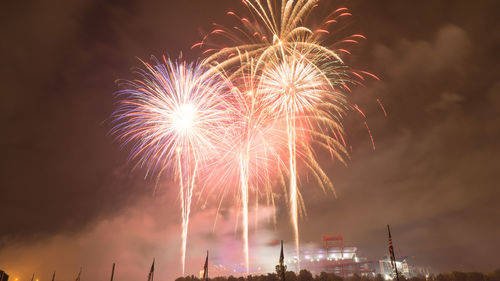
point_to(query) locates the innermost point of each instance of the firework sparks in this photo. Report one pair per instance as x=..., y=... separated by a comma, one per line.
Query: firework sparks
x=172, y=117
x=291, y=89
x=302, y=78
x=276, y=89
x=296, y=89
x=251, y=150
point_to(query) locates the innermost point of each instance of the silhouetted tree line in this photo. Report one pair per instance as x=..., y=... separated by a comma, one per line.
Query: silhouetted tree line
x=305, y=275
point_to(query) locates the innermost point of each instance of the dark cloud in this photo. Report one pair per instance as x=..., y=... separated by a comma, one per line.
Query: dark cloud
x=433, y=175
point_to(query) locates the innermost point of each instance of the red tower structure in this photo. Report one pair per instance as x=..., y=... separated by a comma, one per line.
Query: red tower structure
x=336, y=238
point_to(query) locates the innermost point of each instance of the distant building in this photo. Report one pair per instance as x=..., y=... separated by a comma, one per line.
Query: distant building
x=338, y=259
x=334, y=257
x=3, y=276
x=385, y=268
x=345, y=261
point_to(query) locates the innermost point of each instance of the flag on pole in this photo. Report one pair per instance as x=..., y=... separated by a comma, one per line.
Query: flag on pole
x=391, y=253
x=205, y=269
x=54, y=276
x=79, y=274
x=152, y=271
x=281, y=267
x=282, y=256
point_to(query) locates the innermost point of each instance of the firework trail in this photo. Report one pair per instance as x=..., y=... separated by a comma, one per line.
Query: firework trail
x=294, y=88
x=282, y=47
x=260, y=106
x=171, y=117
x=250, y=152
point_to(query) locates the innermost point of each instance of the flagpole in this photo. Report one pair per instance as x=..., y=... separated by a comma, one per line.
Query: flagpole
x=281, y=267
x=391, y=253
x=205, y=269
x=151, y=272
x=113, y=272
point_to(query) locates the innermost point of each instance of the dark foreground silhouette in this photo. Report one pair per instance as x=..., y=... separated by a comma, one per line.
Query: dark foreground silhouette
x=305, y=275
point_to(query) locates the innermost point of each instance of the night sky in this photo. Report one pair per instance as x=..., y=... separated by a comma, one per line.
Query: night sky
x=70, y=199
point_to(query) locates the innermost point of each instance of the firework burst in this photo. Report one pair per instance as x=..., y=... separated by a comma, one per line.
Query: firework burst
x=268, y=96
x=302, y=77
x=295, y=89
x=172, y=117
x=250, y=153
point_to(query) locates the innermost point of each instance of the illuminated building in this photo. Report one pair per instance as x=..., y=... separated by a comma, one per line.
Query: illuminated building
x=385, y=268
x=344, y=261
x=334, y=257
x=337, y=258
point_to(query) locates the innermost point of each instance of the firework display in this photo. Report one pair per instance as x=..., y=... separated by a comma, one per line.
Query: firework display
x=173, y=117
x=270, y=92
